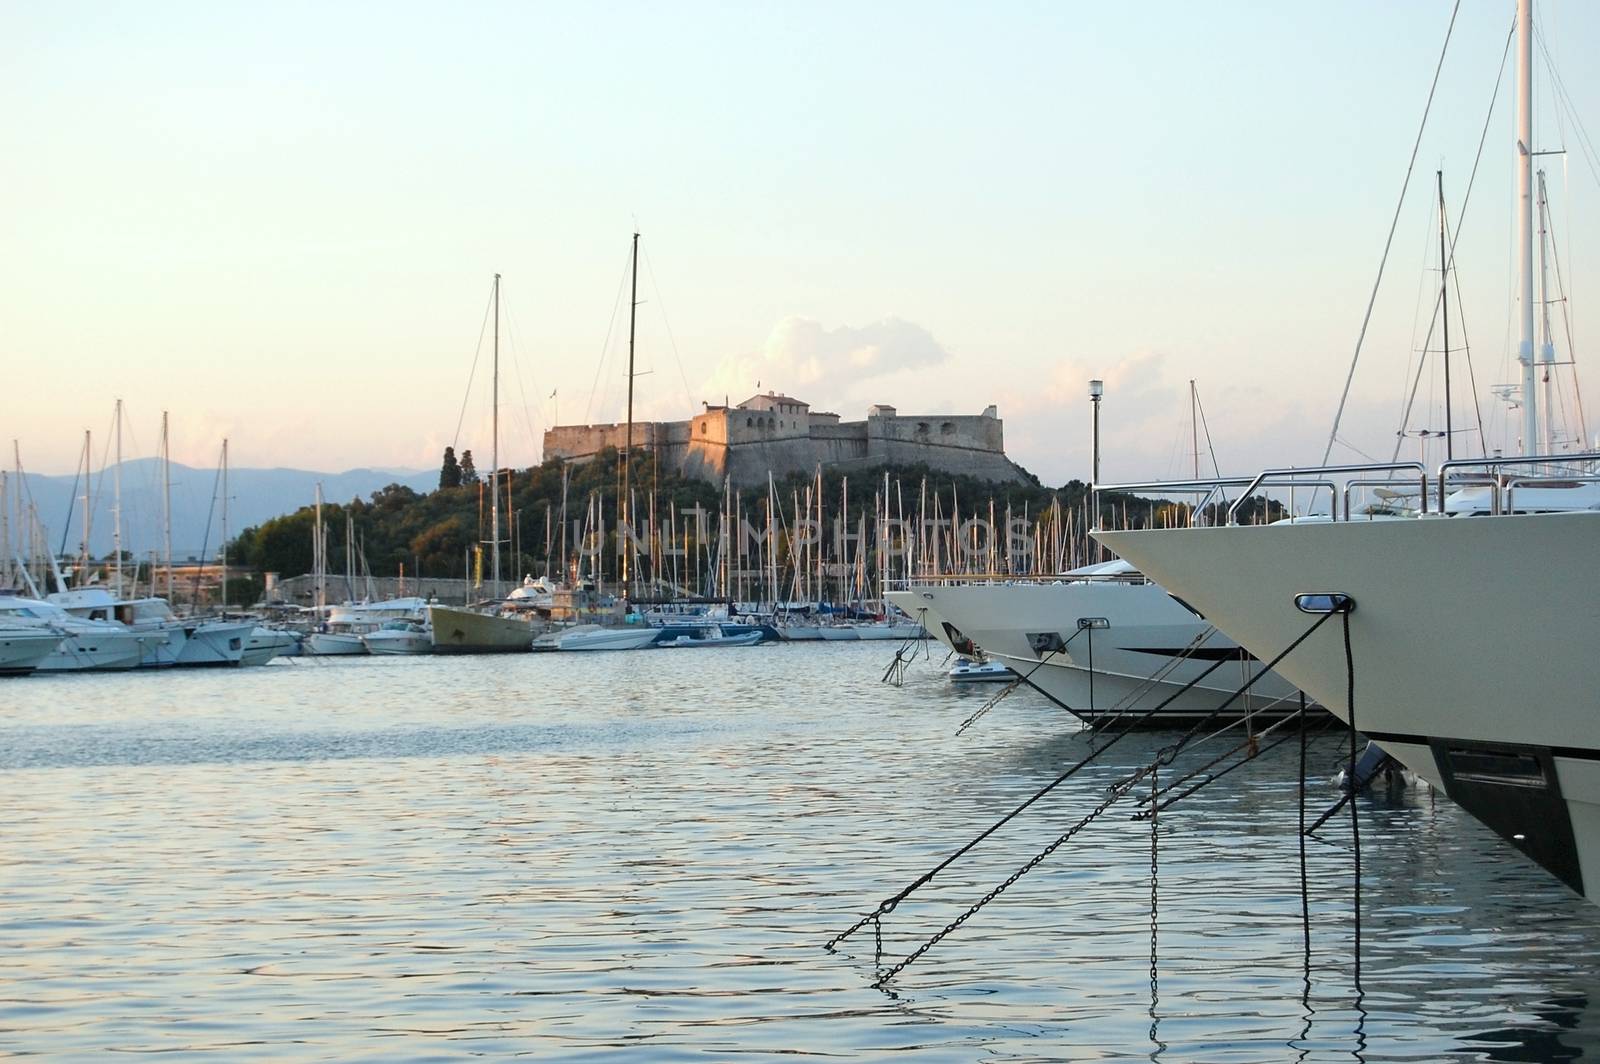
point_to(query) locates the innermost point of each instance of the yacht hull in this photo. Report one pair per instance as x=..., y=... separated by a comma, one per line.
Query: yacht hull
x=215, y=643
x=393, y=642
x=1472, y=641
x=462, y=631
x=1150, y=649
x=104, y=651
x=332, y=644
x=23, y=649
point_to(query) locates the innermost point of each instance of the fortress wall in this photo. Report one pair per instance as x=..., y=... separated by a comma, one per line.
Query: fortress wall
x=718, y=443
x=584, y=441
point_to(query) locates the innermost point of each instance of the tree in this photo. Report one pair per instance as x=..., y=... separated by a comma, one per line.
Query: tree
x=469, y=472
x=450, y=473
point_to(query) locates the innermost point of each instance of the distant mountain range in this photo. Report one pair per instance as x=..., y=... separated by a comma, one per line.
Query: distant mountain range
x=255, y=495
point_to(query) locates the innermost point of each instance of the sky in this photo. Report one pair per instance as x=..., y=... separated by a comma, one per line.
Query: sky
x=280, y=222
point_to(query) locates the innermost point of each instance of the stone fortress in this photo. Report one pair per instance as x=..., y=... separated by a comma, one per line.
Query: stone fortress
x=778, y=433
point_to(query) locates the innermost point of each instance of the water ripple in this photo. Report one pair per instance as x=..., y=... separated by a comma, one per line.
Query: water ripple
x=586, y=857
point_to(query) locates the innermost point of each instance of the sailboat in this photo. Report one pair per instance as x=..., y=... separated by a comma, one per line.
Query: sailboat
x=1470, y=627
x=490, y=628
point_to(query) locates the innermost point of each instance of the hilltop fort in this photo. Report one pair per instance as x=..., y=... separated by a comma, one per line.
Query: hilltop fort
x=780, y=434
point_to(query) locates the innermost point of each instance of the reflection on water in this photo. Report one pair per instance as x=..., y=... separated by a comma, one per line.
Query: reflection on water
x=578, y=856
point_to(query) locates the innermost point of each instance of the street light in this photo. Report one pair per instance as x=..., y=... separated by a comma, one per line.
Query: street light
x=1097, y=388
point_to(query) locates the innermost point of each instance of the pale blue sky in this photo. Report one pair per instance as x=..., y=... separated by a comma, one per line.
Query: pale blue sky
x=280, y=221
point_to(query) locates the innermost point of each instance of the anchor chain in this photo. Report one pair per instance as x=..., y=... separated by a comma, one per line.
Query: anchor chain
x=1116, y=795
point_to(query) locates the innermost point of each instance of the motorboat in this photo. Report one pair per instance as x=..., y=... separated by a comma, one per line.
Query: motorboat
x=713, y=635
x=597, y=637
x=460, y=630
x=84, y=644
x=23, y=647
x=264, y=643
x=1101, y=642
x=332, y=643
x=185, y=641
x=399, y=637
x=980, y=670
x=1471, y=640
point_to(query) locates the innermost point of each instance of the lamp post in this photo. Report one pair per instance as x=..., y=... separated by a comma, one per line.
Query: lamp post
x=1097, y=388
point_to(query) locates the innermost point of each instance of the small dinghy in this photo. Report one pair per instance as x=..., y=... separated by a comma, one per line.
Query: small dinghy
x=713, y=636
x=968, y=670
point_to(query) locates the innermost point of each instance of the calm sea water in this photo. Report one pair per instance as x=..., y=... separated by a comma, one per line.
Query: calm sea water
x=586, y=857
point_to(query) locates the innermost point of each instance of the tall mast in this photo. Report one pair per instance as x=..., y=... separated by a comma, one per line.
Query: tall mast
x=166, y=500
x=116, y=510
x=494, y=455
x=88, y=460
x=1194, y=428
x=224, y=524
x=625, y=519
x=1530, y=401
x=319, y=559
x=1444, y=311
x=1547, y=349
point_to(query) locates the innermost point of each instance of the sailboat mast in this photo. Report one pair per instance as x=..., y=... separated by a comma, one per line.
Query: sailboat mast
x=1547, y=350
x=88, y=470
x=1194, y=428
x=224, y=525
x=1530, y=401
x=625, y=520
x=166, y=500
x=494, y=454
x=319, y=560
x=116, y=509
x=1444, y=311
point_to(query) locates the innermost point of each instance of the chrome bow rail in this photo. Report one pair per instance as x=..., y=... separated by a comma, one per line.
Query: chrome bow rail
x=1412, y=477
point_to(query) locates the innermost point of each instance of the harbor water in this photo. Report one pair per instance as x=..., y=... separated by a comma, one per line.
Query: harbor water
x=641, y=855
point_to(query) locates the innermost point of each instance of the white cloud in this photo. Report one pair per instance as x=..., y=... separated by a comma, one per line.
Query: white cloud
x=828, y=365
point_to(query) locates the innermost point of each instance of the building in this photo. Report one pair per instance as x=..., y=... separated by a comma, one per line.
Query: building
x=781, y=434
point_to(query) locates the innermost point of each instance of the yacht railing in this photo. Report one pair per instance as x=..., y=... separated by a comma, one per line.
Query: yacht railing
x=1207, y=488
x=1384, y=482
x=1278, y=476
x=1528, y=482
x=965, y=579
x=1446, y=469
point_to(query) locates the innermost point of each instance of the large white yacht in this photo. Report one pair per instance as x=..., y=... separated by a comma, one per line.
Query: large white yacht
x=1102, y=642
x=83, y=644
x=1471, y=628
x=187, y=641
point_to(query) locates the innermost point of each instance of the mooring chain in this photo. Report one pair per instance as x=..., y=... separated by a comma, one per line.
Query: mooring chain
x=1033, y=862
x=1155, y=773
x=1018, y=682
x=1116, y=792
x=998, y=697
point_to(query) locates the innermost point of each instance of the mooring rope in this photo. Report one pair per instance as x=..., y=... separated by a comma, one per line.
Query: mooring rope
x=1116, y=792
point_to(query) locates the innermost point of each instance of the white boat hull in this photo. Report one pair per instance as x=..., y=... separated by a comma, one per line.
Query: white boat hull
x=837, y=633
x=332, y=644
x=463, y=631
x=388, y=641
x=101, y=651
x=215, y=643
x=1473, y=641
x=23, y=649
x=264, y=644
x=608, y=639
x=1150, y=650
